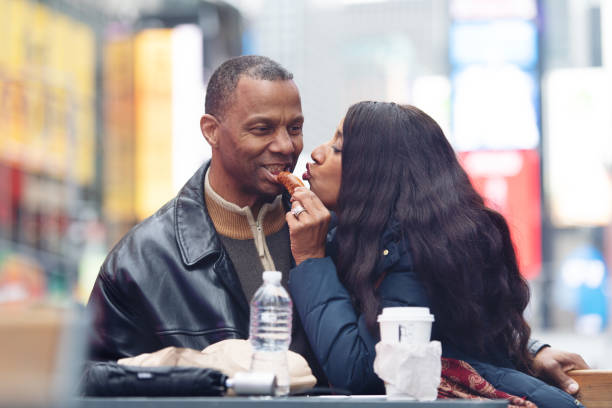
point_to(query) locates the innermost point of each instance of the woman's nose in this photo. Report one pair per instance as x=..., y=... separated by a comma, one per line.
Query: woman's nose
x=318, y=154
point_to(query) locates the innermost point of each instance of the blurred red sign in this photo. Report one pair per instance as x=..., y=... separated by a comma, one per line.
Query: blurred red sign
x=509, y=181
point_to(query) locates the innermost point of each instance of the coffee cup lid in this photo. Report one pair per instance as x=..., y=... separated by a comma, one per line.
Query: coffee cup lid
x=405, y=313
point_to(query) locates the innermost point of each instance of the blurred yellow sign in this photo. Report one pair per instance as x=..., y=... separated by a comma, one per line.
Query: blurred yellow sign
x=153, y=96
x=119, y=130
x=47, y=90
x=17, y=15
x=4, y=33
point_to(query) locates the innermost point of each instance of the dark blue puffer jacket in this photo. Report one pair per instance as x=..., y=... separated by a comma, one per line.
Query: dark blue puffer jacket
x=345, y=347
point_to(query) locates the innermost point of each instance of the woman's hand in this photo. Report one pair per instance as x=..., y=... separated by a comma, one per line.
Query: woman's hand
x=552, y=365
x=307, y=228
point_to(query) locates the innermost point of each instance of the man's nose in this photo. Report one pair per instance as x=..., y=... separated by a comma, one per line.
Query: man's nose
x=283, y=142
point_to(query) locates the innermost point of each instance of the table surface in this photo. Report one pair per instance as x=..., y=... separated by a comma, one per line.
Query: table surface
x=260, y=402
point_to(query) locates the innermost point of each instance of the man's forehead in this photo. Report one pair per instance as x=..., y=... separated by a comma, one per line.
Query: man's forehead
x=264, y=87
x=260, y=96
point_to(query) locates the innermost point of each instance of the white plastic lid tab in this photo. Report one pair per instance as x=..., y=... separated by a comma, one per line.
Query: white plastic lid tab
x=405, y=313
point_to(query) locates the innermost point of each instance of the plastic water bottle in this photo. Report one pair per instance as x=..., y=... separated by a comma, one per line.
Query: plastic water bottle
x=270, y=332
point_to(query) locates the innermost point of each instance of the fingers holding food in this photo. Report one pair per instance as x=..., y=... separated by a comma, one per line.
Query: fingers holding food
x=309, y=201
x=308, y=220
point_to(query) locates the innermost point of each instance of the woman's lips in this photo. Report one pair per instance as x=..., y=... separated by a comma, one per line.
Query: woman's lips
x=307, y=175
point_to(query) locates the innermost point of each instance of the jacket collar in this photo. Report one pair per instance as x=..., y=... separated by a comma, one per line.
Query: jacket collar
x=393, y=245
x=195, y=233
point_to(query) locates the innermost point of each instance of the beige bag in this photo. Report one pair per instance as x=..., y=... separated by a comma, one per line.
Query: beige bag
x=228, y=356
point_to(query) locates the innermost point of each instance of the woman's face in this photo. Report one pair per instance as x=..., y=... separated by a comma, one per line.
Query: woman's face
x=325, y=174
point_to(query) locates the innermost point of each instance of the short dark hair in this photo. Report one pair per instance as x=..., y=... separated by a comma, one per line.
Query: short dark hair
x=223, y=81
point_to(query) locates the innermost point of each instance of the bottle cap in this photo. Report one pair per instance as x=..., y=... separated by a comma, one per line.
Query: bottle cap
x=253, y=383
x=272, y=276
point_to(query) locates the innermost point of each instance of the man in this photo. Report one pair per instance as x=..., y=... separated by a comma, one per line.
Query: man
x=184, y=276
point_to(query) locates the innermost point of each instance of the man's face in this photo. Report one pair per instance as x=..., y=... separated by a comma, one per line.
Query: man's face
x=259, y=135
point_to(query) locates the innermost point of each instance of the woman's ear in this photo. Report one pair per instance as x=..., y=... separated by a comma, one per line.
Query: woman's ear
x=209, y=127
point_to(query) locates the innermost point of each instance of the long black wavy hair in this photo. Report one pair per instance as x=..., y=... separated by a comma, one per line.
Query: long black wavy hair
x=398, y=165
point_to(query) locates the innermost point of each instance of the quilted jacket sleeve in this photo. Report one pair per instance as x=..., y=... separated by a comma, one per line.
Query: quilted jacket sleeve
x=338, y=334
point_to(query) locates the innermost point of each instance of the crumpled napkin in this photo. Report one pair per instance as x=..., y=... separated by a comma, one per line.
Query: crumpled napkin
x=410, y=370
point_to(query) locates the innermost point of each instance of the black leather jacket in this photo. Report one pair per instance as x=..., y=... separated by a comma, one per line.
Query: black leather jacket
x=169, y=282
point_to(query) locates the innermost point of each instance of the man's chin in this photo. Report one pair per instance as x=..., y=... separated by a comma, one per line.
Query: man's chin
x=270, y=191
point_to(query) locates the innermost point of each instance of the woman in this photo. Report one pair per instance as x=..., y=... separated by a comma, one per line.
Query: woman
x=411, y=231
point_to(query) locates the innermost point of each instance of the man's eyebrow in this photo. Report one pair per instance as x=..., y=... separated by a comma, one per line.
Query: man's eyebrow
x=267, y=119
x=256, y=119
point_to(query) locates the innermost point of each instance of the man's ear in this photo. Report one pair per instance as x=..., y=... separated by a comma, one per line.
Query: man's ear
x=210, y=130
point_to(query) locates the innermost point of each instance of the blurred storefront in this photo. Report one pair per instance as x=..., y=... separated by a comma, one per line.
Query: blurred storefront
x=48, y=152
x=99, y=107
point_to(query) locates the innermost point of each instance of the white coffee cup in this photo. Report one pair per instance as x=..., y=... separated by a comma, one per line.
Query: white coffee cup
x=405, y=325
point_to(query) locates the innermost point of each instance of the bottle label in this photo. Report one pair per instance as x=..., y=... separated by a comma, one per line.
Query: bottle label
x=268, y=317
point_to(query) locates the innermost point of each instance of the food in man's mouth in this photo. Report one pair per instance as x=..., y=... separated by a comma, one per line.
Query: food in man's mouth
x=289, y=181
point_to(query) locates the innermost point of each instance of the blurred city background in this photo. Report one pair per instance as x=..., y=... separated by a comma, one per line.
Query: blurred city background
x=100, y=104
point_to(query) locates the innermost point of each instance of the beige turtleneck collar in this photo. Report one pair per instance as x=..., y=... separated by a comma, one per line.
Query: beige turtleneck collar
x=237, y=222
